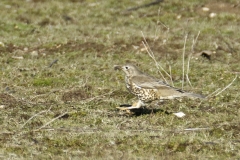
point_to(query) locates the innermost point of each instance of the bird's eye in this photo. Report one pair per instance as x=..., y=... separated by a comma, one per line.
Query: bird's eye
x=126, y=67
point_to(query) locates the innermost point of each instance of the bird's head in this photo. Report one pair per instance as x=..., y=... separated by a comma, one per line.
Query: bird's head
x=128, y=69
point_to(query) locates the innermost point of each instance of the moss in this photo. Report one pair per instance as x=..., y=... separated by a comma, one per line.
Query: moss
x=41, y=82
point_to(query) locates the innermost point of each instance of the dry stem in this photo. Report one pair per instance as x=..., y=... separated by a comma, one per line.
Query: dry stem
x=183, y=55
x=189, y=58
x=51, y=121
x=154, y=59
x=35, y=116
x=227, y=86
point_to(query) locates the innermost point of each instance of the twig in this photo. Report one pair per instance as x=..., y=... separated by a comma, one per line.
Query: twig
x=189, y=58
x=227, y=86
x=35, y=116
x=213, y=93
x=51, y=121
x=170, y=72
x=154, y=59
x=195, y=41
x=183, y=55
x=155, y=36
x=167, y=32
x=188, y=80
x=195, y=129
x=52, y=63
x=159, y=22
x=78, y=130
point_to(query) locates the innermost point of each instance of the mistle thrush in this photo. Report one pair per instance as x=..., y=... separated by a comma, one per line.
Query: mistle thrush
x=148, y=88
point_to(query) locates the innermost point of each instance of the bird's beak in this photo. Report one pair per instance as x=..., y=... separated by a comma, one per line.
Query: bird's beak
x=117, y=67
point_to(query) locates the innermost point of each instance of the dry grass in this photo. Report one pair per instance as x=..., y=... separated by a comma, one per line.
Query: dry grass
x=59, y=90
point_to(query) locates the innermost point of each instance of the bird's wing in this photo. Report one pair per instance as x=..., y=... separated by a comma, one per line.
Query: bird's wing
x=164, y=89
x=148, y=82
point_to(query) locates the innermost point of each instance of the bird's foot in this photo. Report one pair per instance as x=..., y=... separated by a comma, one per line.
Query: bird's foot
x=124, y=109
x=128, y=109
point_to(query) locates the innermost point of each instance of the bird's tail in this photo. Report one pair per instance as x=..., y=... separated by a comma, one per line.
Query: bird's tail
x=194, y=95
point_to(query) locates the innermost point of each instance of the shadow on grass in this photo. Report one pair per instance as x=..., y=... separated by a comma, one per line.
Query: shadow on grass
x=144, y=111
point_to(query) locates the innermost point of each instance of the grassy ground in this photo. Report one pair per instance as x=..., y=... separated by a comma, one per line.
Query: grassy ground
x=59, y=91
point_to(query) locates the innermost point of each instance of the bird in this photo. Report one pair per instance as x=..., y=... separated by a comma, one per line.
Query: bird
x=148, y=88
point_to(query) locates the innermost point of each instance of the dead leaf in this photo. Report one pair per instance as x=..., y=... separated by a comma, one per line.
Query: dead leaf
x=207, y=54
x=179, y=114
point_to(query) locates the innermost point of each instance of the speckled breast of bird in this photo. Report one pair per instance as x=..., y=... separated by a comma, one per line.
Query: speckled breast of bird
x=145, y=95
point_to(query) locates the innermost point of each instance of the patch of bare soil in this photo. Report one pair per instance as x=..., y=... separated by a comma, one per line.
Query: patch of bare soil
x=119, y=46
x=219, y=7
x=77, y=94
x=8, y=100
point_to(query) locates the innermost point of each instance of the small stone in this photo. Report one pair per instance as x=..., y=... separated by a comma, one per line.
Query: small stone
x=2, y=44
x=143, y=49
x=212, y=15
x=34, y=53
x=135, y=47
x=2, y=106
x=179, y=114
x=179, y=16
x=205, y=9
x=25, y=49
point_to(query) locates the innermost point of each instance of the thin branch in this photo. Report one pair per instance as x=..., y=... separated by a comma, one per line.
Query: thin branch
x=170, y=72
x=188, y=80
x=189, y=58
x=227, y=86
x=213, y=93
x=195, y=41
x=188, y=68
x=156, y=30
x=159, y=22
x=195, y=129
x=51, y=121
x=154, y=61
x=183, y=55
x=35, y=116
x=153, y=57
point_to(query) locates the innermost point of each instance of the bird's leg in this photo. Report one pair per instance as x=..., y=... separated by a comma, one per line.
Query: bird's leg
x=137, y=105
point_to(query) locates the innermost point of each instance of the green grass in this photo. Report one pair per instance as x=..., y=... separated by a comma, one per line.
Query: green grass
x=68, y=110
